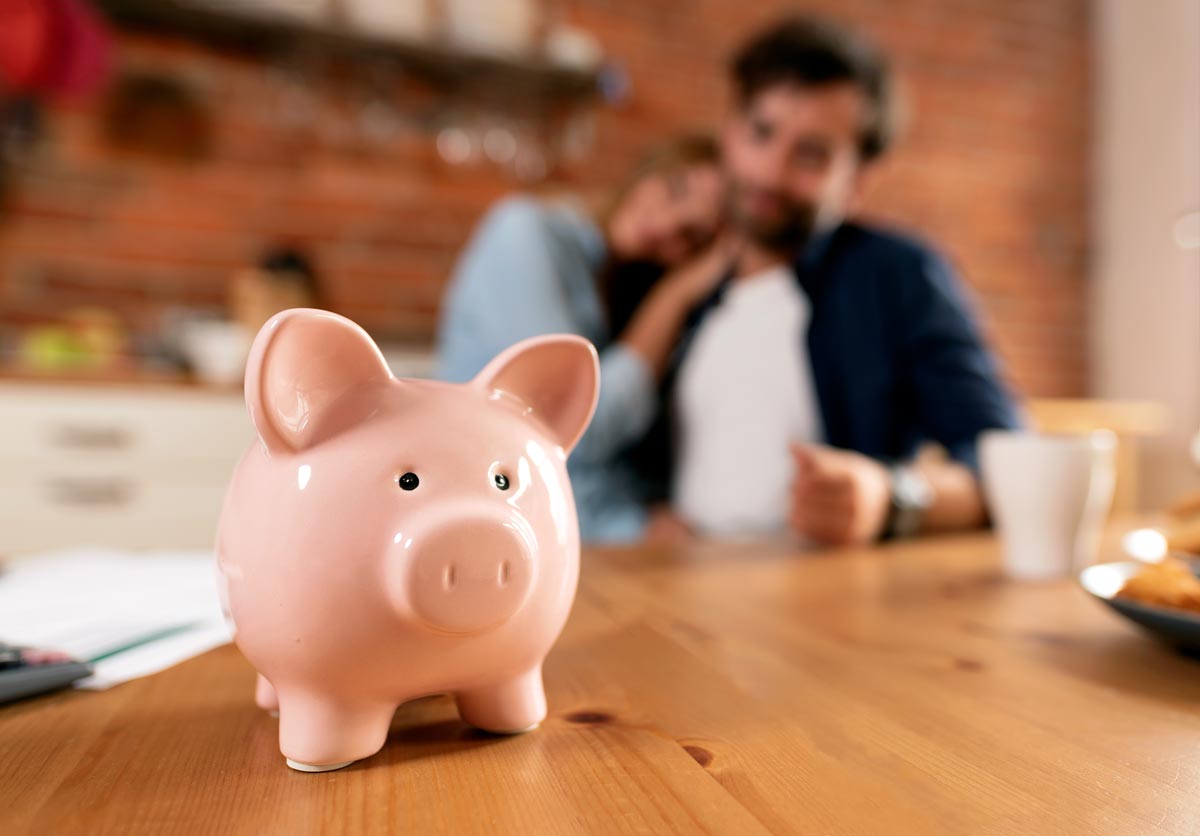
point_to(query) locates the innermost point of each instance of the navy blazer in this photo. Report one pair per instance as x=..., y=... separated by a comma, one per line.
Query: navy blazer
x=896, y=355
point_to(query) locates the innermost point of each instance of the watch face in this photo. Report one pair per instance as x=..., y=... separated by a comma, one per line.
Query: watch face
x=911, y=490
x=911, y=496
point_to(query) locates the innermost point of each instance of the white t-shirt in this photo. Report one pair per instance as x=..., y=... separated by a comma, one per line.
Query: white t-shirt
x=745, y=393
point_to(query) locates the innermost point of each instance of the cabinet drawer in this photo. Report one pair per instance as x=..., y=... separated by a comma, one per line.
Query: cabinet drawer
x=44, y=421
x=46, y=508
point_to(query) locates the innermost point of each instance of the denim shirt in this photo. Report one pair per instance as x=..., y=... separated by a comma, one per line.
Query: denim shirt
x=531, y=269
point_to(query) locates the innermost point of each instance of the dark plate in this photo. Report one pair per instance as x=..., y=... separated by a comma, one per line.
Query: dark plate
x=1178, y=628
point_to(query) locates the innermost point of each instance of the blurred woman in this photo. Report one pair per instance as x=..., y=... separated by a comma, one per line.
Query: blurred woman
x=624, y=275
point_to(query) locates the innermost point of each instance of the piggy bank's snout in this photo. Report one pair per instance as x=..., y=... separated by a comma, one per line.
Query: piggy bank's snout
x=469, y=576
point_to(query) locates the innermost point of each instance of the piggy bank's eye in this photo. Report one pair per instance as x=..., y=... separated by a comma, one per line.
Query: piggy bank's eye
x=501, y=481
x=409, y=481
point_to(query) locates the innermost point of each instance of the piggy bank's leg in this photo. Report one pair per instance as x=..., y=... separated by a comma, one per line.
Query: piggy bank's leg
x=506, y=707
x=318, y=733
x=264, y=695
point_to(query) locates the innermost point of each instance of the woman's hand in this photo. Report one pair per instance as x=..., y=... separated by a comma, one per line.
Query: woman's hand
x=654, y=329
x=699, y=276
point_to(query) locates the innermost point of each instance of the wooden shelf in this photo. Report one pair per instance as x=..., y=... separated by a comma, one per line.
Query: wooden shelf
x=437, y=63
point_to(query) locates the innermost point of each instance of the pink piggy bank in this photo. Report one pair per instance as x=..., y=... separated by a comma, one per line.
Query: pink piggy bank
x=387, y=539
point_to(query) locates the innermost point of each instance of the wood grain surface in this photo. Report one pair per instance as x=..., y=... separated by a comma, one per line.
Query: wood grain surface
x=718, y=689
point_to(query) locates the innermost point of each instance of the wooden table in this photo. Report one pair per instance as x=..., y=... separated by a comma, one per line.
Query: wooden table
x=906, y=689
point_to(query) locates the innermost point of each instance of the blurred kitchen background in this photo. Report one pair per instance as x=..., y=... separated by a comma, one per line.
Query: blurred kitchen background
x=156, y=151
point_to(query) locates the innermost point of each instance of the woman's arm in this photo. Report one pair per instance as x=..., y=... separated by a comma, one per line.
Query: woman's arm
x=654, y=330
x=632, y=366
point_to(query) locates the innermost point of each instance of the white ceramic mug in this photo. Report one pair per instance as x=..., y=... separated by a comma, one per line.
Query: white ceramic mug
x=215, y=349
x=1049, y=496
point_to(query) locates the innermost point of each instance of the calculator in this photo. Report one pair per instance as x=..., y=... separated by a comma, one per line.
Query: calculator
x=26, y=671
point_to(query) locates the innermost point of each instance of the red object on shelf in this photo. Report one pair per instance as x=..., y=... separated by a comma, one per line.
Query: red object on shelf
x=24, y=43
x=81, y=54
x=51, y=47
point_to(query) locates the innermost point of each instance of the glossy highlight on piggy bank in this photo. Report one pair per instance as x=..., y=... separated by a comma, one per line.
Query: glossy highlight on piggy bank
x=386, y=539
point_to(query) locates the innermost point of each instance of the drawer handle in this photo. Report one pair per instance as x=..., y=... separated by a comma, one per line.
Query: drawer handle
x=90, y=492
x=90, y=438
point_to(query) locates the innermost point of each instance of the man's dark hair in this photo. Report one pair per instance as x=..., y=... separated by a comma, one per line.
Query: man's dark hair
x=813, y=52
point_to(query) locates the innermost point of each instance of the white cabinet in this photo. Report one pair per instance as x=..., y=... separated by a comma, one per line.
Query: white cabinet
x=120, y=466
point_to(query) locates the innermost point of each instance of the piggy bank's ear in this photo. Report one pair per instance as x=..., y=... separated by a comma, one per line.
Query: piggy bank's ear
x=310, y=375
x=557, y=377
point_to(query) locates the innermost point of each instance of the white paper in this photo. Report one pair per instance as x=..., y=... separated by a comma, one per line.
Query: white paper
x=89, y=602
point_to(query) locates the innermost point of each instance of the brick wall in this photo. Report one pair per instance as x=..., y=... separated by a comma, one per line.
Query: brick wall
x=993, y=169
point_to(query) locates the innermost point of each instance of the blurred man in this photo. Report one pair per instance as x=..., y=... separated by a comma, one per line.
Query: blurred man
x=835, y=350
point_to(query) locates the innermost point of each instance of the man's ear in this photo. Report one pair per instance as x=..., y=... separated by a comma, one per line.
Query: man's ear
x=864, y=180
x=310, y=375
x=557, y=377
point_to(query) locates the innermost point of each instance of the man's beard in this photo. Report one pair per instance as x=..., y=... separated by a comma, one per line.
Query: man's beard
x=786, y=234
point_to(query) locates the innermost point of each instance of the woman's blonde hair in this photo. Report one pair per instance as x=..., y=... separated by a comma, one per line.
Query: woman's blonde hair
x=670, y=157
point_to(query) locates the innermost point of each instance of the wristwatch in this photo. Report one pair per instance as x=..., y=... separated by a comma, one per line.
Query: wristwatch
x=911, y=498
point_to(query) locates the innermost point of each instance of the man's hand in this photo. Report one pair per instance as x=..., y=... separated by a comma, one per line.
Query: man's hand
x=838, y=497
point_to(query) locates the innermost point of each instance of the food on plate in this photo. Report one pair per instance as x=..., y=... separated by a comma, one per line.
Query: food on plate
x=1170, y=583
